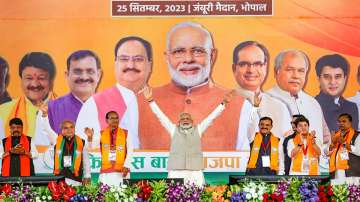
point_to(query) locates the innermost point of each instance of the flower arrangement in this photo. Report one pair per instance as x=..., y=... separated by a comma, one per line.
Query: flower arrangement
x=160, y=191
x=354, y=193
x=341, y=193
x=177, y=192
x=326, y=193
x=309, y=191
x=254, y=190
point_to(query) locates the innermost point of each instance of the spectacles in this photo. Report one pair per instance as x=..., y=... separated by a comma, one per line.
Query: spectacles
x=181, y=52
x=135, y=59
x=243, y=64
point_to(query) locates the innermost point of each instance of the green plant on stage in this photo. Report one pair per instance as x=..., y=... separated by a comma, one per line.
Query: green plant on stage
x=206, y=196
x=90, y=190
x=158, y=192
x=341, y=192
x=293, y=193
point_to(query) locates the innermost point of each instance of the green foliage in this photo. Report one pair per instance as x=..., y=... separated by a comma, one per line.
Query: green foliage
x=159, y=190
x=341, y=192
x=293, y=194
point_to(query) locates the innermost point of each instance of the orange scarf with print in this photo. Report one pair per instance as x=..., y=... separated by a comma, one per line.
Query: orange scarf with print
x=335, y=160
x=298, y=159
x=120, y=145
x=274, y=154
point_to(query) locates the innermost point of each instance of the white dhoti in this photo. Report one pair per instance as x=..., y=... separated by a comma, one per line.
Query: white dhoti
x=189, y=176
x=112, y=179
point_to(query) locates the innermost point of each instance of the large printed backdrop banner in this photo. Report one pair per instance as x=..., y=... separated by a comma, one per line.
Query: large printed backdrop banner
x=61, y=27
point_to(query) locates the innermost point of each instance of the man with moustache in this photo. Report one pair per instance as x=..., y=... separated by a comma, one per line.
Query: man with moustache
x=185, y=157
x=133, y=60
x=83, y=75
x=250, y=66
x=190, y=55
x=291, y=67
x=4, y=81
x=332, y=72
x=303, y=150
x=344, y=150
x=17, y=152
x=134, y=68
x=266, y=157
x=116, y=150
x=37, y=73
x=71, y=158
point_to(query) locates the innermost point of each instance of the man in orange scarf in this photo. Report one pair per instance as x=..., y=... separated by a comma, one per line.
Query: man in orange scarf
x=266, y=157
x=71, y=157
x=37, y=72
x=303, y=150
x=344, y=150
x=17, y=152
x=116, y=149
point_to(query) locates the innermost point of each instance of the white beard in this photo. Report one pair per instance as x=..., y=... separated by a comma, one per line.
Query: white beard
x=189, y=80
x=186, y=129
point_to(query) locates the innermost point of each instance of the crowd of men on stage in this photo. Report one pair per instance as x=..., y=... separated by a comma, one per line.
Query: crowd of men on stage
x=286, y=130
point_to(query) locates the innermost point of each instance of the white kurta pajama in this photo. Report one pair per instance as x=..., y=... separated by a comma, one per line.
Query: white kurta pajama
x=292, y=146
x=88, y=117
x=116, y=178
x=190, y=176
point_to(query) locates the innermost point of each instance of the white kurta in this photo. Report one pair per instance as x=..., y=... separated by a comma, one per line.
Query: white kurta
x=116, y=178
x=306, y=105
x=356, y=99
x=88, y=117
x=272, y=108
x=189, y=176
x=290, y=147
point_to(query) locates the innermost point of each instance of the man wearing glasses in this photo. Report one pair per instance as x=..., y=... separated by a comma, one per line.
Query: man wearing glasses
x=250, y=66
x=190, y=56
x=332, y=72
x=133, y=60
